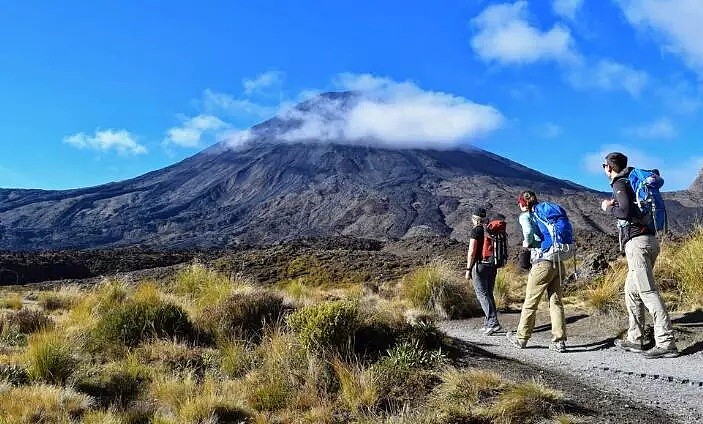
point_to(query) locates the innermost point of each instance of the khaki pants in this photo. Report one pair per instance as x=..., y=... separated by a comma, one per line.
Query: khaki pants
x=544, y=276
x=641, y=292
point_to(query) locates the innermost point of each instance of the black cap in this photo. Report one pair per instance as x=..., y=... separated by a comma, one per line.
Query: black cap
x=479, y=212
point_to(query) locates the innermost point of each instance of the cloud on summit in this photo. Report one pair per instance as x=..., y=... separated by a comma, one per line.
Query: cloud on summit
x=388, y=113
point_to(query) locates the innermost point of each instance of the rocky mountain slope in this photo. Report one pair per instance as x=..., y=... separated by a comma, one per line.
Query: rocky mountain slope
x=270, y=191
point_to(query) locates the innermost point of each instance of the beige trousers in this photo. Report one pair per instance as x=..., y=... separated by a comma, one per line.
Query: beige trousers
x=641, y=292
x=544, y=276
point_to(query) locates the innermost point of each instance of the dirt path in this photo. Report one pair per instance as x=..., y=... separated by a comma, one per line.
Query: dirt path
x=672, y=386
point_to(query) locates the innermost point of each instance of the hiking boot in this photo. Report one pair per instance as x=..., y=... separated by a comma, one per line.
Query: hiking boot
x=628, y=346
x=489, y=331
x=512, y=338
x=559, y=346
x=660, y=352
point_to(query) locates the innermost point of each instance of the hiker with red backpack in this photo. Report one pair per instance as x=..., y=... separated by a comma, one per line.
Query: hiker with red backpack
x=487, y=252
x=547, y=225
x=639, y=208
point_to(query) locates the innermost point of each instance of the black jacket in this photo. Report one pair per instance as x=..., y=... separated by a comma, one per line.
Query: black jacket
x=631, y=222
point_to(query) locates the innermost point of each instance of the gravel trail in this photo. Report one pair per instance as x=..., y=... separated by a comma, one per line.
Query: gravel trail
x=672, y=385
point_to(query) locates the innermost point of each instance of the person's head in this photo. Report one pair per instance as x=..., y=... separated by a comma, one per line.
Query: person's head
x=478, y=216
x=526, y=200
x=614, y=163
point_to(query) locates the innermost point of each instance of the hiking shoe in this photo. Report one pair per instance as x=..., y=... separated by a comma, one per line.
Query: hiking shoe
x=489, y=331
x=660, y=352
x=512, y=338
x=559, y=346
x=628, y=346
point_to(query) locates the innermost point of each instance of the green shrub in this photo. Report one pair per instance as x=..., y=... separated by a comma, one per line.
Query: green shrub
x=134, y=322
x=244, y=315
x=50, y=358
x=13, y=374
x=326, y=324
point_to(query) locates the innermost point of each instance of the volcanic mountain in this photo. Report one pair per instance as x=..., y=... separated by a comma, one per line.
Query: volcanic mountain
x=270, y=190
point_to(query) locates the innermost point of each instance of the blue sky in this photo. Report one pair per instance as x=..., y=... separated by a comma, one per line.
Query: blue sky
x=106, y=91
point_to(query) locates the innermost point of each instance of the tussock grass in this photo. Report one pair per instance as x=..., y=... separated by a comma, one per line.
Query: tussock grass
x=326, y=325
x=41, y=404
x=434, y=287
x=462, y=388
x=63, y=298
x=185, y=400
x=50, y=357
x=509, y=286
x=205, y=287
x=243, y=315
x=11, y=301
x=357, y=386
x=605, y=293
x=237, y=358
x=682, y=263
x=525, y=403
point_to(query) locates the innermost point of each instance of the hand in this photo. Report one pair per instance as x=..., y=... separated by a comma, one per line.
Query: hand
x=605, y=204
x=468, y=275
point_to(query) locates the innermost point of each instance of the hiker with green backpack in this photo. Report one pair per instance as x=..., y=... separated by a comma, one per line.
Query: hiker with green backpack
x=548, y=233
x=639, y=208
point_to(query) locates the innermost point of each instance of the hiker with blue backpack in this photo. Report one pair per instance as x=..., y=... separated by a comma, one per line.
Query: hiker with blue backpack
x=639, y=208
x=548, y=233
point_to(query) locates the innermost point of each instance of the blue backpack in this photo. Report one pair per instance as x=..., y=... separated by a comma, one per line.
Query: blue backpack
x=557, y=232
x=645, y=184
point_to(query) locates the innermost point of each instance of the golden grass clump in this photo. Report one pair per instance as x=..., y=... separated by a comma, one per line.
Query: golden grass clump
x=605, y=293
x=41, y=404
x=10, y=301
x=682, y=264
x=525, y=403
x=434, y=287
x=50, y=357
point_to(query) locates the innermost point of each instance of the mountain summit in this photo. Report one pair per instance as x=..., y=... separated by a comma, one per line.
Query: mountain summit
x=274, y=187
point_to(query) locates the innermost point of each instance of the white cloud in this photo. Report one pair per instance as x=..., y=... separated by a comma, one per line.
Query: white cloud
x=221, y=103
x=550, y=130
x=607, y=75
x=194, y=130
x=567, y=8
x=677, y=175
x=119, y=140
x=661, y=128
x=383, y=112
x=676, y=22
x=263, y=81
x=505, y=35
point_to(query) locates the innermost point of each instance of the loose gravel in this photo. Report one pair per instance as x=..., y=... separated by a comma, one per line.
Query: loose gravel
x=671, y=385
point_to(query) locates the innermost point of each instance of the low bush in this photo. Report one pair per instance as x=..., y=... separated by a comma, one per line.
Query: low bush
x=26, y=320
x=134, y=322
x=326, y=325
x=14, y=374
x=50, y=358
x=244, y=315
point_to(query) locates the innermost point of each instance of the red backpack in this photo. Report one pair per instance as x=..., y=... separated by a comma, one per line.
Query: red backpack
x=495, y=243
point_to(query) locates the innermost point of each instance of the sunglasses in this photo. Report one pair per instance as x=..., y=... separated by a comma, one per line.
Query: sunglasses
x=605, y=165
